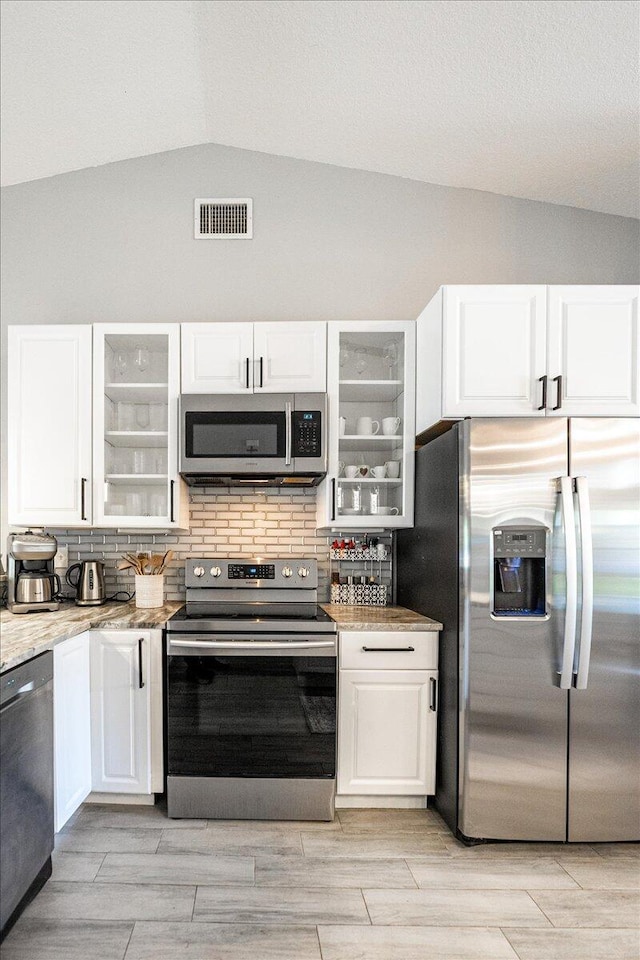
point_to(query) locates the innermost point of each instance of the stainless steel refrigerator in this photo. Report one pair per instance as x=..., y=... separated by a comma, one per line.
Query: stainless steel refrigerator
x=527, y=548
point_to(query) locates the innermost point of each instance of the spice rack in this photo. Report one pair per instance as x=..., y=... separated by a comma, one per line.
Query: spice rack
x=361, y=571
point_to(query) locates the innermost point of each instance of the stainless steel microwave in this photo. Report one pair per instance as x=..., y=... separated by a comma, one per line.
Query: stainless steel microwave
x=277, y=438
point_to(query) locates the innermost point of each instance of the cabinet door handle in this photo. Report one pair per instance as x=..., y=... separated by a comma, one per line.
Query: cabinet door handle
x=389, y=649
x=543, y=381
x=333, y=498
x=171, y=489
x=433, y=694
x=558, y=380
x=261, y=370
x=246, y=373
x=140, y=679
x=83, y=487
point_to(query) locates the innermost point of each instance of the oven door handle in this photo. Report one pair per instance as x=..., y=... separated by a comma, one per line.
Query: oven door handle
x=249, y=645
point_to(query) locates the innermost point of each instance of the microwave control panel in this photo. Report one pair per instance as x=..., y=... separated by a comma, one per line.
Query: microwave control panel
x=307, y=433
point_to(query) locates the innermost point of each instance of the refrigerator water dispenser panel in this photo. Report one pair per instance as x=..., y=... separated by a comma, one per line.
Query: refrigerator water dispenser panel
x=519, y=571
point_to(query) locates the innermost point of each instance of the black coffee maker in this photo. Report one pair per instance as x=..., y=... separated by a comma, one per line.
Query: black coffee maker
x=32, y=584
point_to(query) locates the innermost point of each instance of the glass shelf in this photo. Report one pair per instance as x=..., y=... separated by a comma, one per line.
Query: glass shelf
x=135, y=479
x=136, y=438
x=137, y=392
x=384, y=390
x=390, y=481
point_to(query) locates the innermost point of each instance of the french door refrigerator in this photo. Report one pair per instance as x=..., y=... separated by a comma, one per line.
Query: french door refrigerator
x=527, y=547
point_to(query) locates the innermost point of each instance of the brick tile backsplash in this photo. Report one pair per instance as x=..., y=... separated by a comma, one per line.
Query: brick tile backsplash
x=242, y=522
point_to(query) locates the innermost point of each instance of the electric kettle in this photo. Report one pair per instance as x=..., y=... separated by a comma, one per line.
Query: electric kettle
x=89, y=583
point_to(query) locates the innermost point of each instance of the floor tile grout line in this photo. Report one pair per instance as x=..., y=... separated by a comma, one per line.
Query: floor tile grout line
x=366, y=906
x=503, y=931
x=126, y=949
x=549, y=920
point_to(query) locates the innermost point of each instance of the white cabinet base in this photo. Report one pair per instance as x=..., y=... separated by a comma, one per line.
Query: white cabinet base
x=71, y=726
x=132, y=799
x=367, y=802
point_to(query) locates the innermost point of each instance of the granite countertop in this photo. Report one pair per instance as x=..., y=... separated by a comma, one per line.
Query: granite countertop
x=378, y=618
x=25, y=635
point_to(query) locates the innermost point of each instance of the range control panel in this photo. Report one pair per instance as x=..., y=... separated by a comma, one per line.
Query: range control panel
x=249, y=571
x=519, y=542
x=307, y=433
x=214, y=572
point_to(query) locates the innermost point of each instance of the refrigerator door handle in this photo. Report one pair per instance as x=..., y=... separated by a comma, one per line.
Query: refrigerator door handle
x=570, y=616
x=586, y=550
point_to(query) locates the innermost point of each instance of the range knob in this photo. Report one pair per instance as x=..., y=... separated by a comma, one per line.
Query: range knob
x=198, y=571
x=303, y=572
x=287, y=572
x=215, y=571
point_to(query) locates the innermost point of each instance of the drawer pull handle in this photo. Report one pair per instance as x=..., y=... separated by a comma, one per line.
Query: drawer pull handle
x=389, y=649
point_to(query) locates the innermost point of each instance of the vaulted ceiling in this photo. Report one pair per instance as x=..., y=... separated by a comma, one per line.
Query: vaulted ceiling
x=529, y=99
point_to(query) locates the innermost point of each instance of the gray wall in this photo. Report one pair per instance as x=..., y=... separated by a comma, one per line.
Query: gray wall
x=115, y=243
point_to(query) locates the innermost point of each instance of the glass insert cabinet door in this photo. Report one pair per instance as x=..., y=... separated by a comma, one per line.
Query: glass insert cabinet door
x=372, y=429
x=136, y=381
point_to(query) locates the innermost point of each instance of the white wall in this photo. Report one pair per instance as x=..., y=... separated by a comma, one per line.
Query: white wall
x=115, y=243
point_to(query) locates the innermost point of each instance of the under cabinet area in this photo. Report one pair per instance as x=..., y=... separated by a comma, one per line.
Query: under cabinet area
x=387, y=713
x=254, y=357
x=528, y=351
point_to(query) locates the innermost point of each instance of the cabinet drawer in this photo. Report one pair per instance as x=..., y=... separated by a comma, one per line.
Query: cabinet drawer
x=389, y=650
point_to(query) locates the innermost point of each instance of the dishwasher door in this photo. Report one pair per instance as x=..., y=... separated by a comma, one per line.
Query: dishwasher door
x=26, y=784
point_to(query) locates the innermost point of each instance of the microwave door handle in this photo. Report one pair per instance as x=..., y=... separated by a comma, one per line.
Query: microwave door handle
x=586, y=550
x=287, y=439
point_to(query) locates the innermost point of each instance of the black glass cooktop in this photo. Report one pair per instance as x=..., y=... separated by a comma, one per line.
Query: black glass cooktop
x=201, y=616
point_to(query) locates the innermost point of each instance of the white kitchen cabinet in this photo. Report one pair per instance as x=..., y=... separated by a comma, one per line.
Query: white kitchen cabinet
x=254, y=357
x=49, y=426
x=72, y=726
x=136, y=384
x=593, y=345
x=387, y=713
x=527, y=351
x=371, y=374
x=121, y=711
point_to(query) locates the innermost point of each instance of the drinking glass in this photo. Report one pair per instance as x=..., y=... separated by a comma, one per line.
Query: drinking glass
x=141, y=358
x=362, y=361
x=120, y=364
x=142, y=415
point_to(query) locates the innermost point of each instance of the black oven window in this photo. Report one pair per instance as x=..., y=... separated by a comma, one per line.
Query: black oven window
x=224, y=435
x=251, y=716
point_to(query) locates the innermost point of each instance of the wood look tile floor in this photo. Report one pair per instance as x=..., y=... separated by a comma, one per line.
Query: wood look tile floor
x=130, y=884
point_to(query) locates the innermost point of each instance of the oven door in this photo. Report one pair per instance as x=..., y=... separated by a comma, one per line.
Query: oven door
x=236, y=434
x=242, y=707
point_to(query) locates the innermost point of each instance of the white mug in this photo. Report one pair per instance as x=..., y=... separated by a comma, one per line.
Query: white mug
x=363, y=470
x=379, y=472
x=393, y=468
x=342, y=426
x=385, y=511
x=390, y=426
x=365, y=425
x=351, y=472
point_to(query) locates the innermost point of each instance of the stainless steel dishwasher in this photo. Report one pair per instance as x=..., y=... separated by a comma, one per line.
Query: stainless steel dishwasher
x=26, y=784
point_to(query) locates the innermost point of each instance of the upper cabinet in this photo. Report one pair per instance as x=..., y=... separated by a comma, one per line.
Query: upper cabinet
x=49, y=426
x=371, y=391
x=593, y=346
x=254, y=357
x=523, y=351
x=135, y=457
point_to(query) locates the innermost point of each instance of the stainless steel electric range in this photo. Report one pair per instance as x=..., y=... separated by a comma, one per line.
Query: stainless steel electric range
x=251, y=693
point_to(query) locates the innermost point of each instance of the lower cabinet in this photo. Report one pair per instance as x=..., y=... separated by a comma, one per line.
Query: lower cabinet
x=387, y=713
x=120, y=711
x=107, y=694
x=71, y=726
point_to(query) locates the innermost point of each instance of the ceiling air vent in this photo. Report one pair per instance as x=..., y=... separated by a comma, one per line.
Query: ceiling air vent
x=226, y=219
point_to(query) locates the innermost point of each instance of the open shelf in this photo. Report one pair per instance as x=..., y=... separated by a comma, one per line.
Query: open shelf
x=390, y=481
x=367, y=441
